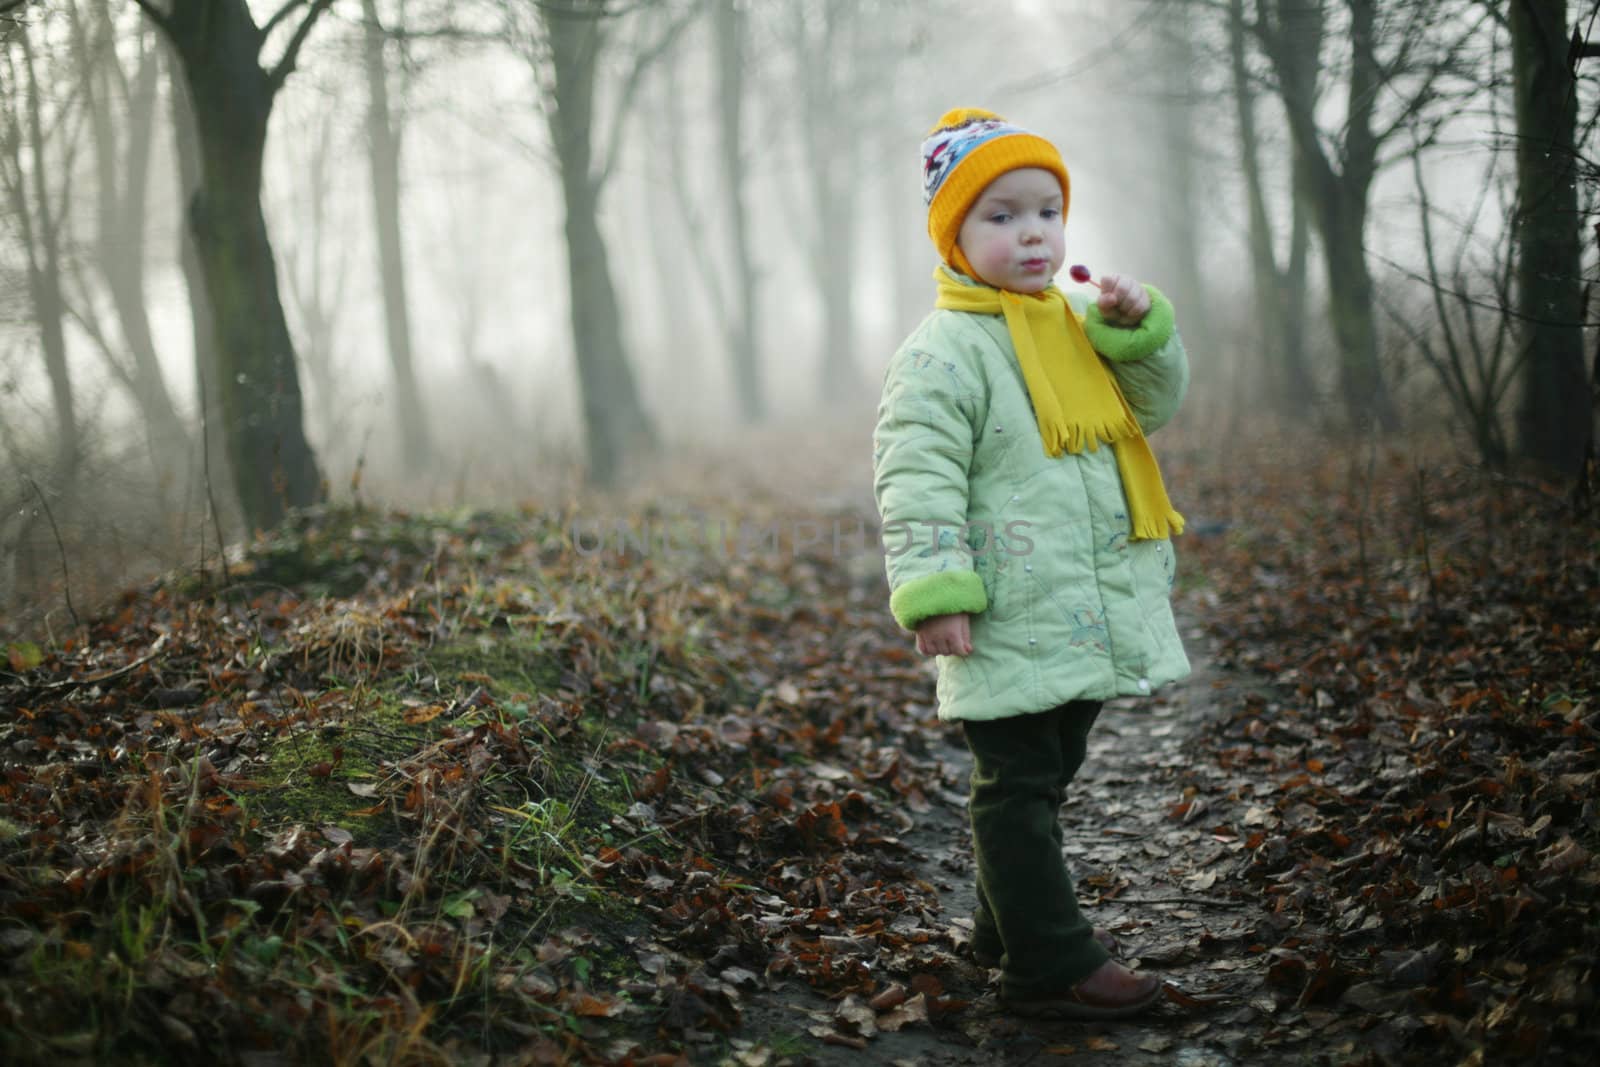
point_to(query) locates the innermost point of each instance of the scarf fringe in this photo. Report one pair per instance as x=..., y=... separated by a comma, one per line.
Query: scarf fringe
x=1158, y=528
x=1078, y=438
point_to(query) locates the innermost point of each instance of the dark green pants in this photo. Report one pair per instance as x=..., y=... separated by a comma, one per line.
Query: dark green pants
x=1027, y=912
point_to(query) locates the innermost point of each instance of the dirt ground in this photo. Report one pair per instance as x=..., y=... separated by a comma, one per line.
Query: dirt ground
x=1158, y=882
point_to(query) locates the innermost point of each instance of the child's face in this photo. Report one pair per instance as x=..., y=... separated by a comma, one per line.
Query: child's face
x=1013, y=234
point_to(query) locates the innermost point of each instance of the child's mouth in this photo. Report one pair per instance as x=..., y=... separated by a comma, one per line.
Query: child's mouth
x=1035, y=264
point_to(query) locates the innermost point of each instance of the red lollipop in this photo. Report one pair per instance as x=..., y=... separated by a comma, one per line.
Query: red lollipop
x=1080, y=274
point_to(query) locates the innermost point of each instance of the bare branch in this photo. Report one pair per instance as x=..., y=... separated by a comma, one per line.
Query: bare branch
x=1456, y=370
x=630, y=89
x=98, y=679
x=155, y=15
x=285, y=66
x=278, y=16
x=1425, y=94
x=66, y=574
x=1503, y=308
x=581, y=10
x=695, y=230
x=1496, y=11
x=1581, y=47
x=88, y=321
x=14, y=178
x=402, y=34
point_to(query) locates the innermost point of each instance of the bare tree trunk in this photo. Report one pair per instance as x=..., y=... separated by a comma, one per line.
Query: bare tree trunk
x=1554, y=418
x=1263, y=259
x=316, y=293
x=686, y=248
x=616, y=424
x=1343, y=214
x=729, y=22
x=665, y=242
x=1304, y=50
x=383, y=141
x=202, y=324
x=1339, y=196
x=832, y=164
x=1294, y=290
x=1183, y=205
x=910, y=289
x=219, y=45
x=122, y=167
x=1584, y=486
x=41, y=238
x=835, y=270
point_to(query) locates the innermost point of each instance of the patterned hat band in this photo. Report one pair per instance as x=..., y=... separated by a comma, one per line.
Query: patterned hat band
x=945, y=148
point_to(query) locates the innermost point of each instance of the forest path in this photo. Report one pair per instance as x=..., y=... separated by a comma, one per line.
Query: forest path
x=1158, y=880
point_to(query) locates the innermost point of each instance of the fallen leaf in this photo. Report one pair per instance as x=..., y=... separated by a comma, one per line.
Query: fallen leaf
x=24, y=656
x=914, y=1010
x=425, y=713
x=594, y=1007
x=854, y=1016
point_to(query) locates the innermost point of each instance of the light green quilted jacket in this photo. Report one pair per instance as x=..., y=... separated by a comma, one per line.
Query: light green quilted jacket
x=978, y=518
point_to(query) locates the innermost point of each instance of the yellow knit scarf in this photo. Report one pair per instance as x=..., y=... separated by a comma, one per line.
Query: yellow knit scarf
x=1061, y=367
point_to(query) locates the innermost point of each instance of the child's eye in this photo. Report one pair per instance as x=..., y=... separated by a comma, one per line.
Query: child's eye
x=1000, y=216
x=1051, y=212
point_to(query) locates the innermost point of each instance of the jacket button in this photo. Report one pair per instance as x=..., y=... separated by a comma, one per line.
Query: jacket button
x=1144, y=685
x=1014, y=499
x=1027, y=566
x=1033, y=641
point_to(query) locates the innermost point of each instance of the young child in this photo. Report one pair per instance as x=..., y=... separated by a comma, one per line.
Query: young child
x=1030, y=559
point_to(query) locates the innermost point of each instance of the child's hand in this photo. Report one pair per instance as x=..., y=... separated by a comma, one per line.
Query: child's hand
x=1123, y=301
x=944, y=635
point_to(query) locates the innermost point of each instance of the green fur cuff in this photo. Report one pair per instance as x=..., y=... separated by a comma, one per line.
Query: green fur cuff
x=1120, y=344
x=941, y=593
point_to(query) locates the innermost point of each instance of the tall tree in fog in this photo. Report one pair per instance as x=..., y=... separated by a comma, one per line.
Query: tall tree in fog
x=725, y=272
x=383, y=152
x=1555, y=414
x=1280, y=292
x=218, y=468
x=219, y=48
x=1184, y=212
x=121, y=109
x=825, y=39
x=731, y=26
x=29, y=157
x=314, y=260
x=1421, y=46
x=565, y=45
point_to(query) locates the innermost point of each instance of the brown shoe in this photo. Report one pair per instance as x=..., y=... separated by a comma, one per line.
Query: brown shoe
x=1111, y=992
x=1107, y=941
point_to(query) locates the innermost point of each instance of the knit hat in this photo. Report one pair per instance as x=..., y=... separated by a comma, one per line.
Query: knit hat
x=968, y=149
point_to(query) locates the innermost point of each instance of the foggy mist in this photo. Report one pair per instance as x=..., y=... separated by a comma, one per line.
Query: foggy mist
x=1143, y=98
